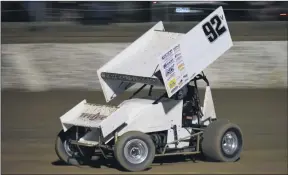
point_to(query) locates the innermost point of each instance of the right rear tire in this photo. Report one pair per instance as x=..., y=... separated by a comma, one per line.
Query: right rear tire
x=222, y=141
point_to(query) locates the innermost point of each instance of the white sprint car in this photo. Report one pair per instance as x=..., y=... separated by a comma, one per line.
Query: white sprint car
x=174, y=123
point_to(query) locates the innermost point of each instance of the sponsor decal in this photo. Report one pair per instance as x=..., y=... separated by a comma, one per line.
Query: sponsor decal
x=115, y=76
x=178, y=55
x=181, y=82
x=169, y=71
x=185, y=76
x=168, y=63
x=172, y=83
x=171, y=76
x=181, y=66
x=164, y=57
x=92, y=117
x=179, y=59
x=176, y=48
x=174, y=89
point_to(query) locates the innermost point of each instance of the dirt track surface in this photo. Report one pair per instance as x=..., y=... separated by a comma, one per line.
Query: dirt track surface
x=30, y=122
x=13, y=33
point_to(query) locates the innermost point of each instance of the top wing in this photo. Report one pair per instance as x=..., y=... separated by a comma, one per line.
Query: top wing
x=137, y=63
x=201, y=46
x=177, y=57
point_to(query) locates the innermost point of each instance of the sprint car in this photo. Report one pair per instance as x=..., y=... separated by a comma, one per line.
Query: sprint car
x=175, y=122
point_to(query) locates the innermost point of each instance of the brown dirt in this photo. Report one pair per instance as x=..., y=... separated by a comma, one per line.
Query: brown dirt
x=30, y=122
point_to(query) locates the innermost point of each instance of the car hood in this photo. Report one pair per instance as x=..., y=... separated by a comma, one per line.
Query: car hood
x=135, y=105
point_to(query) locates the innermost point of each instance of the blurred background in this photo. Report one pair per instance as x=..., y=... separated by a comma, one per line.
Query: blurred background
x=51, y=50
x=90, y=12
x=39, y=38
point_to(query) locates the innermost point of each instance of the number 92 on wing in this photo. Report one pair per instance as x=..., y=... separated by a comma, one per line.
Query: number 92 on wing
x=214, y=27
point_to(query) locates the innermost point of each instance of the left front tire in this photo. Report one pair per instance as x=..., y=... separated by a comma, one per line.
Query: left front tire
x=70, y=153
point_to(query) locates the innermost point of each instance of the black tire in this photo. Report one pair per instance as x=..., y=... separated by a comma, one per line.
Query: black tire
x=129, y=138
x=212, y=141
x=72, y=159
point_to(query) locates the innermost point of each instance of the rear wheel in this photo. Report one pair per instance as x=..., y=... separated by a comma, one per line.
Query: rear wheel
x=222, y=141
x=70, y=153
x=135, y=151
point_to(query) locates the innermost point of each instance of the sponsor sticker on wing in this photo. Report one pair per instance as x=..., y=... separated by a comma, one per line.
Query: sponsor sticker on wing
x=181, y=66
x=168, y=55
x=172, y=83
x=169, y=71
x=177, y=48
x=178, y=55
x=180, y=82
x=185, y=77
x=174, y=89
x=168, y=63
x=92, y=117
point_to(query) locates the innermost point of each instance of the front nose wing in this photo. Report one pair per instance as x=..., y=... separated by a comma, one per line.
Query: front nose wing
x=86, y=115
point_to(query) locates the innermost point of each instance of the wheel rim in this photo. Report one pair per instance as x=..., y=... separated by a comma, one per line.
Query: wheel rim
x=229, y=143
x=67, y=147
x=136, y=151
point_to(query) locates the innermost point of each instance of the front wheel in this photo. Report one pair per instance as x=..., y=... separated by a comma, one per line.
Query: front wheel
x=69, y=153
x=134, y=151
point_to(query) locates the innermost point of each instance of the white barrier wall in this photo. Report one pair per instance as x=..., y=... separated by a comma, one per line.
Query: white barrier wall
x=36, y=67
